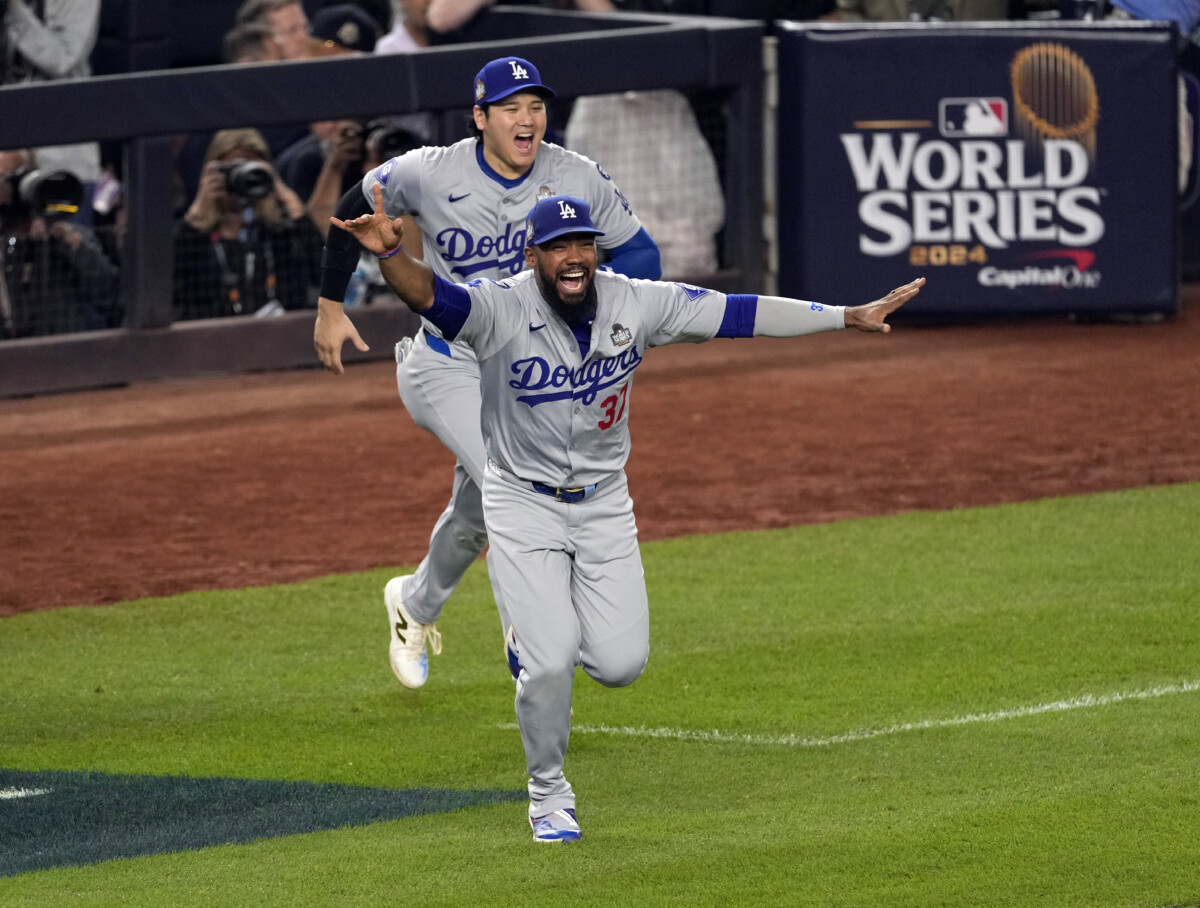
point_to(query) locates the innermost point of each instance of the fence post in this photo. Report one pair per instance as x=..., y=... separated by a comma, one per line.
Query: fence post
x=148, y=250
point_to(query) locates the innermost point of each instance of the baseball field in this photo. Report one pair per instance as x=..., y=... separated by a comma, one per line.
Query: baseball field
x=924, y=632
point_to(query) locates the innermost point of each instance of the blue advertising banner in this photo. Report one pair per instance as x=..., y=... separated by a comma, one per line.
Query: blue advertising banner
x=1021, y=169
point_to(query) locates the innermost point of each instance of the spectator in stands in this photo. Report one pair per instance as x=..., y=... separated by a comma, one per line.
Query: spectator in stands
x=381, y=11
x=245, y=245
x=53, y=39
x=54, y=276
x=287, y=21
x=250, y=43
x=411, y=29
x=342, y=28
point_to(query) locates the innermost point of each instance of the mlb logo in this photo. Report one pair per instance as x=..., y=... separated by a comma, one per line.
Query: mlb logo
x=960, y=118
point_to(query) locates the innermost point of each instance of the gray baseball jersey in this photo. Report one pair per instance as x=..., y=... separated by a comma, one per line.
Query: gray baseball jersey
x=548, y=415
x=473, y=220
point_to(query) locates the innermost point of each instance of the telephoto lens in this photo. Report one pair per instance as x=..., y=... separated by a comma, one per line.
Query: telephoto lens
x=51, y=194
x=250, y=180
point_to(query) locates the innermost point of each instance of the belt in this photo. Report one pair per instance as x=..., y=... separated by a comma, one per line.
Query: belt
x=570, y=496
x=567, y=496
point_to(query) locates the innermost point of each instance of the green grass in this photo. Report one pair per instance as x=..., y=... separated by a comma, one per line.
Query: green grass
x=814, y=632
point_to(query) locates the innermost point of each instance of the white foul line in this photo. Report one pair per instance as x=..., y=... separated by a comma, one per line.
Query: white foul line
x=8, y=794
x=1088, y=701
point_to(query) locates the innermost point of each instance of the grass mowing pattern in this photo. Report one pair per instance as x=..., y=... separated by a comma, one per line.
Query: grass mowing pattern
x=814, y=632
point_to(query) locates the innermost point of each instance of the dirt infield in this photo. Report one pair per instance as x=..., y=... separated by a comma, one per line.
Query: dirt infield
x=235, y=481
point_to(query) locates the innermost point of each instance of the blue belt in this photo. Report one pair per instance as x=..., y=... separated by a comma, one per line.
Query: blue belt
x=570, y=496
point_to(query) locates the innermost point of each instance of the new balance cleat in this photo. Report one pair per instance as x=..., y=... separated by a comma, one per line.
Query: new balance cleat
x=556, y=826
x=406, y=652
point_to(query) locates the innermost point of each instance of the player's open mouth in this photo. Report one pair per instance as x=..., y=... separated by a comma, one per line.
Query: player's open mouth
x=573, y=281
x=525, y=142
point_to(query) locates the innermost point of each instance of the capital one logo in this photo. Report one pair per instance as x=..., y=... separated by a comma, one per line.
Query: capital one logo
x=518, y=71
x=565, y=210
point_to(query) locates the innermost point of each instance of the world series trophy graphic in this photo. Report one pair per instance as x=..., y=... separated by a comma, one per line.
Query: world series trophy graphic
x=1054, y=97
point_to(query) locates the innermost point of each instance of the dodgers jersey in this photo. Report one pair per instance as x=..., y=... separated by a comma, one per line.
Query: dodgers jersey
x=473, y=220
x=550, y=415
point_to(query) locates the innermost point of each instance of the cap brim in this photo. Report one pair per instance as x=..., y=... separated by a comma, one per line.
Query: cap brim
x=539, y=90
x=565, y=231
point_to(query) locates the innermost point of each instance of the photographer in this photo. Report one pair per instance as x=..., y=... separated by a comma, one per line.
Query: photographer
x=53, y=39
x=323, y=165
x=54, y=275
x=245, y=245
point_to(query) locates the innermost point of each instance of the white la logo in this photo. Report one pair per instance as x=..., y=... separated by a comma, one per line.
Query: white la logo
x=519, y=71
x=565, y=210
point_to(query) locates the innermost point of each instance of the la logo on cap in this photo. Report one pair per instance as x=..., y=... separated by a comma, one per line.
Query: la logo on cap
x=565, y=210
x=518, y=71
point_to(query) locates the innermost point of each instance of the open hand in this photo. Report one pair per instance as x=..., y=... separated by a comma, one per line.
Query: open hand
x=871, y=317
x=376, y=231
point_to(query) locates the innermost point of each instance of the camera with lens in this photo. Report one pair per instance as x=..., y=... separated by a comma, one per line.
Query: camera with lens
x=51, y=194
x=388, y=140
x=249, y=180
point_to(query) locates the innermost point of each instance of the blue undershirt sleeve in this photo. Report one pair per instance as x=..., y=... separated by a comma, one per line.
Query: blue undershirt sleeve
x=738, y=321
x=637, y=258
x=451, y=306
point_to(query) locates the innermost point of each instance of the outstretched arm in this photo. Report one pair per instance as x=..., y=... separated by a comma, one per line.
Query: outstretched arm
x=775, y=316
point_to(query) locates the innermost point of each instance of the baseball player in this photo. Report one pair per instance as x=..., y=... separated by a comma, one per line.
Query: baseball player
x=558, y=346
x=471, y=199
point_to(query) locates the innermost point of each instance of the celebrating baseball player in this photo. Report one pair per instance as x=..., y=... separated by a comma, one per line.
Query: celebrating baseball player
x=471, y=199
x=558, y=346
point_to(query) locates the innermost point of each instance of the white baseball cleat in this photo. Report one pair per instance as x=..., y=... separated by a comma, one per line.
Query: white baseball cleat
x=556, y=826
x=406, y=653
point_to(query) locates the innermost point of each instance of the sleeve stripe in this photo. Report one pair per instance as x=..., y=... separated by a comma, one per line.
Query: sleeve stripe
x=738, y=321
x=451, y=306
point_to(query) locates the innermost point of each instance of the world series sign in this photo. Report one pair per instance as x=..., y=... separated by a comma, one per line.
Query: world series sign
x=1022, y=170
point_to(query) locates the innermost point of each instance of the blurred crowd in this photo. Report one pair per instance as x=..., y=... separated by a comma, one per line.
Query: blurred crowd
x=252, y=205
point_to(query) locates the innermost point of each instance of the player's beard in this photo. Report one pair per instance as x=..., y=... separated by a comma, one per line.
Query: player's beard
x=570, y=311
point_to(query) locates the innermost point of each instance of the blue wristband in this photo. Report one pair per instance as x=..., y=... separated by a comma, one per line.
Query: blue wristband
x=388, y=255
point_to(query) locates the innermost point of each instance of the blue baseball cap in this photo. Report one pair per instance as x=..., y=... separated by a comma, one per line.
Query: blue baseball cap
x=559, y=215
x=507, y=76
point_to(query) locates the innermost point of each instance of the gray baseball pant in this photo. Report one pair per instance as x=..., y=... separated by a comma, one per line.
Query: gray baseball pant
x=571, y=576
